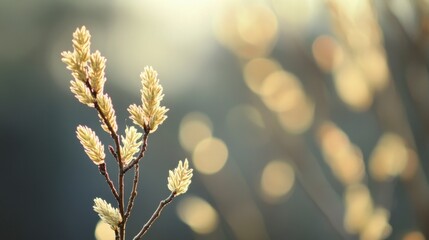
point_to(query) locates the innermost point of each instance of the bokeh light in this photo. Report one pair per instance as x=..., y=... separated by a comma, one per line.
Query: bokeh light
x=373, y=64
x=256, y=24
x=281, y=91
x=248, y=29
x=359, y=208
x=327, y=52
x=210, y=155
x=103, y=231
x=198, y=214
x=389, y=157
x=352, y=88
x=256, y=70
x=194, y=128
x=414, y=235
x=347, y=165
x=299, y=119
x=277, y=180
x=332, y=138
x=344, y=158
x=378, y=226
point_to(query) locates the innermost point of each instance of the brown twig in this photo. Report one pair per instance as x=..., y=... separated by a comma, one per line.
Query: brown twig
x=117, y=141
x=112, y=151
x=121, y=198
x=116, y=234
x=135, y=163
x=133, y=192
x=103, y=170
x=154, y=216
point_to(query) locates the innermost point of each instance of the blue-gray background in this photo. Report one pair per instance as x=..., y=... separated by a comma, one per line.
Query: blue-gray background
x=47, y=182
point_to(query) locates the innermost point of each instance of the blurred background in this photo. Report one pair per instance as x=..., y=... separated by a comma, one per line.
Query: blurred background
x=302, y=119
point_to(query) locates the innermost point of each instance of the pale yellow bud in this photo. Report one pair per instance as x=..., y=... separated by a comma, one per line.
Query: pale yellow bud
x=180, y=178
x=97, y=65
x=106, y=107
x=150, y=114
x=81, y=44
x=92, y=145
x=131, y=144
x=82, y=92
x=107, y=213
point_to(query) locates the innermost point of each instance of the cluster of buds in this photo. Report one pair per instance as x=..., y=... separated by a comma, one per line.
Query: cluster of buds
x=88, y=71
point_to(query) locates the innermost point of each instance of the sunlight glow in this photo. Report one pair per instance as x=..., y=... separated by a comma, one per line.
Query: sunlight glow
x=277, y=180
x=198, y=214
x=210, y=155
x=194, y=128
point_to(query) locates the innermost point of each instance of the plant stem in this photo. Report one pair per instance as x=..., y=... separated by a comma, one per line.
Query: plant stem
x=116, y=235
x=105, y=173
x=133, y=192
x=117, y=141
x=135, y=163
x=142, y=151
x=154, y=216
x=121, y=201
x=112, y=151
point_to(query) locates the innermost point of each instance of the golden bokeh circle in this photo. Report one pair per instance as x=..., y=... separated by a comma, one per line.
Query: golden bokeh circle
x=198, y=214
x=194, y=127
x=210, y=155
x=103, y=231
x=256, y=70
x=278, y=178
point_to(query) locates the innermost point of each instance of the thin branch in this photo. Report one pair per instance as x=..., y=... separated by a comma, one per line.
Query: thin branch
x=121, y=198
x=141, y=155
x=113, y=134
x=116, y=234
x=117, y=141
x=133, y=192
x=112, y=151
x=155, y=215
x=136, y=174
x=105, y=173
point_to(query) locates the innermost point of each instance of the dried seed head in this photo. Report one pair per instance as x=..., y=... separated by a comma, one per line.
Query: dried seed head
x=131, y=144
x=92, y=145
x=107, y=213
x=180, y=178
